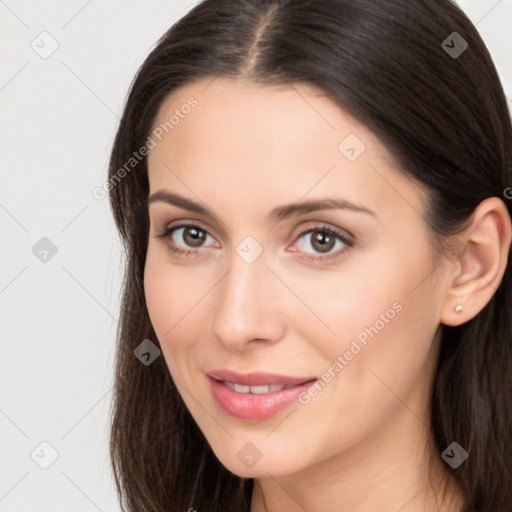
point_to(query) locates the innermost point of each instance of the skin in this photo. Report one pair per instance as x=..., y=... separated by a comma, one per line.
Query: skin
x=362, y=444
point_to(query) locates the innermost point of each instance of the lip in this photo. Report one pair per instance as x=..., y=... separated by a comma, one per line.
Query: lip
x=248, y=406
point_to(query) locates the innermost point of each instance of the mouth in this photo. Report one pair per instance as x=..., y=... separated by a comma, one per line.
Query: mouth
x=255, y=396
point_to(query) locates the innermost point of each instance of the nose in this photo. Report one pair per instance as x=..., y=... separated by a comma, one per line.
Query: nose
x=247, y=306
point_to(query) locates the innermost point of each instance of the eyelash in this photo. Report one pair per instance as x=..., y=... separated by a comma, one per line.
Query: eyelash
x=173, y=249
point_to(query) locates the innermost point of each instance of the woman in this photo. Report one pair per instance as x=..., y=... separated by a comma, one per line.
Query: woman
x=317, y=300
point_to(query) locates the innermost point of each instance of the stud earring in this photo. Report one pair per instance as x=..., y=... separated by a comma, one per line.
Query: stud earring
x=458, y=308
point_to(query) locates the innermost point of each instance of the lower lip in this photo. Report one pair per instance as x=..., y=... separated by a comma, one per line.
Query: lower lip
x=247, y=406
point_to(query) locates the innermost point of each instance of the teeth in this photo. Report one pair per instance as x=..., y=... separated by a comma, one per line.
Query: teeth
x=255, y=390
x=259, y=390
x=242, y=389
x=229, y=385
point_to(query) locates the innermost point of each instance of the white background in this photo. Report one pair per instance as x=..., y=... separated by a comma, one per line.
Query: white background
x=58, y=323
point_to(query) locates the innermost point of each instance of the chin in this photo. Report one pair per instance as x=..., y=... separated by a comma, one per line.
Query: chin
x=249, y=462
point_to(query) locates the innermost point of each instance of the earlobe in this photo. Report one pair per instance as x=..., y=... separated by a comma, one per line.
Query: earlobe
x=481, y=265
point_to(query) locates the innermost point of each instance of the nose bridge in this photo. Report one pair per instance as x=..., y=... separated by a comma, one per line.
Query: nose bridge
x=245, y=303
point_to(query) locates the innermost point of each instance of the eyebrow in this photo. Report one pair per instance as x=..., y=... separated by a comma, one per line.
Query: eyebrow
x=276, y=215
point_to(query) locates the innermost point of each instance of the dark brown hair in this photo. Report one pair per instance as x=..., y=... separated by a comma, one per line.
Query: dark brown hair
x=445, y=120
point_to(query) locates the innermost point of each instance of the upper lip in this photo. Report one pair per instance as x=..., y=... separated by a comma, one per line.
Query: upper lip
x=257, y=378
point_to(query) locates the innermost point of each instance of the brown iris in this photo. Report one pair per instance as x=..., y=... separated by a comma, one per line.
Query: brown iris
x=193, y=236
x=322, y=241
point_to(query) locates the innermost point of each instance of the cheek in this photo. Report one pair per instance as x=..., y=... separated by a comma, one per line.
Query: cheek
x=174, y=297
x=374, y=293
x=385, y=320
x=170, y=290
x=160, y=296
x=166, y=297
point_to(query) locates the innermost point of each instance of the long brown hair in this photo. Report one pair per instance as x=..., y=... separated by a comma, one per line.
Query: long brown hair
x=444, y=118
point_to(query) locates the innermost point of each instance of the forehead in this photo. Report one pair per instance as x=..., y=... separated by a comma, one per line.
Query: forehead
x=291, y=137
x=266, y=109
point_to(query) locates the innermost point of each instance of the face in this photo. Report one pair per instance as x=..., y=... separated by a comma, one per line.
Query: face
x=283, y=241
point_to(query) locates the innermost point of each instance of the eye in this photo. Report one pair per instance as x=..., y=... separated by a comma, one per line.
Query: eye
x=322, y=243
x=185, y=238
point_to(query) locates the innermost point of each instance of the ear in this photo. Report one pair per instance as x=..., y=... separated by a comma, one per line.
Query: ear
x=479, y=268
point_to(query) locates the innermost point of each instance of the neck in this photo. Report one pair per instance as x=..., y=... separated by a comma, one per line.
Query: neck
x=389, y=471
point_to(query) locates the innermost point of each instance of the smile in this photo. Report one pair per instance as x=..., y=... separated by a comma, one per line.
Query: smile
x=255, y=396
